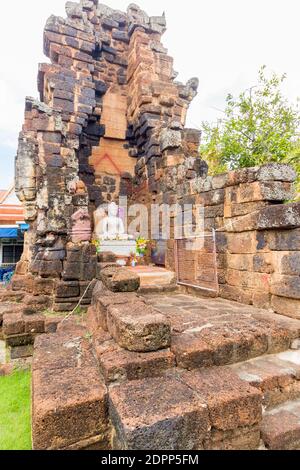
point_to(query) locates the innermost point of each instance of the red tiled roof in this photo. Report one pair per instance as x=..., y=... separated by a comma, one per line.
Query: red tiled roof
x=12, y=211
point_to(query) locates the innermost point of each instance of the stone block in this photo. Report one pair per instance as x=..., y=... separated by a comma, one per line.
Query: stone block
x=99, y=290
x=8, y=308
x=245, y=243
x=20, y=283
x=235, y=210
x=287, y=262
x=60, y=419
x=138, y=327
x=21, y=352
x=86, y=288
x=50, y=268
x=263, y=263
x=19, y=340
x=69, y=397
x=263, y=191
x=252, y=280
x=13, y=324
x=191, y=352
x=170, y=139
x=43, y=286
x=281, y=430
x=103, y=302
x=238, y=294
x=6, y=369
x=231, y=402
x=120, y=280
x=63, y=350
x=286, y=306
x=34, y=324
x=69, y=306
x=219, y=181
x=276, y=172
x=284, y=240
x=119, y=365
x=157, y=414
x=88, y=253
x=71, y=271
x=241, y=262
x=212, y=198
x=107, y=257
x=281, y=216
x=285, y=286
x=73, y=255
x=261, y=300
x=246, y=438
x=120, y=36
x=67, y=289
x=51, y=324
x=89, y=270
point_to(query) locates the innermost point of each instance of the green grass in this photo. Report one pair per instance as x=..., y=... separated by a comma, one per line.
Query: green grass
x=15, y=428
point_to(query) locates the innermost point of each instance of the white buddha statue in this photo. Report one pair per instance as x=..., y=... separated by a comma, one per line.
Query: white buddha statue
x=112, y=227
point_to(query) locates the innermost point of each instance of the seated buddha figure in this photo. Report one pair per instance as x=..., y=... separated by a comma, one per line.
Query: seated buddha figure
x=111, y=227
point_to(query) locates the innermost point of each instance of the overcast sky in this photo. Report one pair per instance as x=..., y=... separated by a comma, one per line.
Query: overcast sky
x=223, y=42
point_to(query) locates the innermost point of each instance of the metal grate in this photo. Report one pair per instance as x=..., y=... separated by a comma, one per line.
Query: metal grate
x=196, y=262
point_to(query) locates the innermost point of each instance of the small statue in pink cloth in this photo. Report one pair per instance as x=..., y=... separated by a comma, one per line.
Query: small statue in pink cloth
x=81, y=226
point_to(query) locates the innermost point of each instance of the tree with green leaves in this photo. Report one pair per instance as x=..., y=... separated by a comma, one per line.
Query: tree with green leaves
x=293, y=158
x=258, y=127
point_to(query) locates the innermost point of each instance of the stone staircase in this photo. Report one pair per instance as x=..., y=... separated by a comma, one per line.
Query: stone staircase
x=278, y=378
x=168, y=372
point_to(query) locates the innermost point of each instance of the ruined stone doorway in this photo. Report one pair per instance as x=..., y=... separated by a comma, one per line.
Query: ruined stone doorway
x=196, y=262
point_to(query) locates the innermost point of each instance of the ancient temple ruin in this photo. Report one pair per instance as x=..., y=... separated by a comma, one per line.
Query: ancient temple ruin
x=110, y=122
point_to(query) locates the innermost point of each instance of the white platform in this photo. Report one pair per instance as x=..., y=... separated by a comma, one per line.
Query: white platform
x=154, y=276
x=118, y=247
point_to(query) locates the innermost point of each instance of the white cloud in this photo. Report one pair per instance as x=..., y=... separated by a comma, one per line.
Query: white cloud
x=222, y=42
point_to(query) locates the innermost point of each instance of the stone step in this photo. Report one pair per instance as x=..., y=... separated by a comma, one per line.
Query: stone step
x=119, y=365
x=69, y=398
x=7, y=308
x=207, y=409
x=216, y=332
x=154, y=277
x=157, y=289
x=277, y=376
x=8, y=295
x=133, y=324
x=198, y=291
x=280, y=429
